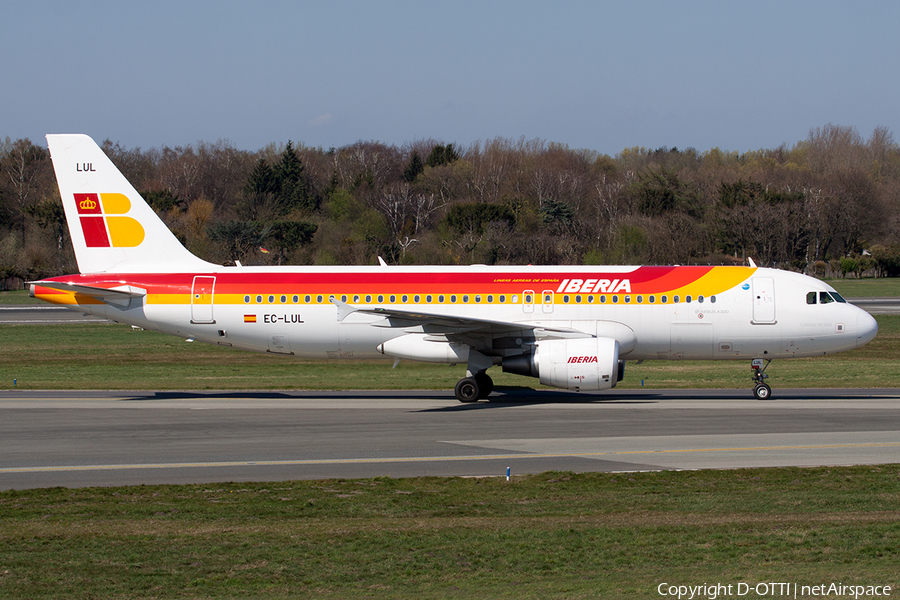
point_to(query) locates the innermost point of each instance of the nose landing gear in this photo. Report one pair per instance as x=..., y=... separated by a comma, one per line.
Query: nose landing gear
x=761, y=391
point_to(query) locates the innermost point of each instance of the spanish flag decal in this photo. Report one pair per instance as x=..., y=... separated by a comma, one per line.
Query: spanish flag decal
x=249, y=318
x=103, y=222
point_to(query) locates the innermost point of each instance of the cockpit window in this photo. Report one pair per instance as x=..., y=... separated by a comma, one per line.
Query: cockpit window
x=811, y=298
x=825, y=298
x=838, y=297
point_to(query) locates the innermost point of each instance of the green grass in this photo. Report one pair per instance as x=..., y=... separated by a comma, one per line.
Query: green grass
x=553, y=535
x=18, y=297
x=96, y=356
x=888, y=287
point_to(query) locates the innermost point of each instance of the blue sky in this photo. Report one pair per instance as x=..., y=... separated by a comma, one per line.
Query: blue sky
x=597, y=75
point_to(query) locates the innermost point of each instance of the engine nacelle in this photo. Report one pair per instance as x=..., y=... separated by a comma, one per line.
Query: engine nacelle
x=577, y=364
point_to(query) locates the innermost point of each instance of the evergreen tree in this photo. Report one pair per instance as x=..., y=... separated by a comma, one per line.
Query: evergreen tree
x=262, y=179
x=414, y=168
x=442, y=155
x=293, y=190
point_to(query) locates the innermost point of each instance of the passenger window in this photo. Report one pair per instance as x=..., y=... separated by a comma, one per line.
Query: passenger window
x=825, y=298
x=811, y=298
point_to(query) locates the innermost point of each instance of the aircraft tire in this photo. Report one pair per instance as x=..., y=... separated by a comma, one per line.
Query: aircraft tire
x=468, y=390
x=762, y=392
x=485, y=385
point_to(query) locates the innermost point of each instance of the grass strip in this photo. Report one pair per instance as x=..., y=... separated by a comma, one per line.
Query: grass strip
x=553, y=535
x=101, y=356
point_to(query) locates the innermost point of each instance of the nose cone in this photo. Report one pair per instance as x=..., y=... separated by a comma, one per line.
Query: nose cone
x=866, y=328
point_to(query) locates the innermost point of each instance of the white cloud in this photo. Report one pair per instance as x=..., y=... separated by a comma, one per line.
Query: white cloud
x=321, y=120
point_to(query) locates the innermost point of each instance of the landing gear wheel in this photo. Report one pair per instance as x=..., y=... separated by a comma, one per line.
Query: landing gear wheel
x=468, y=390
x=762, y=392
x=485, y=384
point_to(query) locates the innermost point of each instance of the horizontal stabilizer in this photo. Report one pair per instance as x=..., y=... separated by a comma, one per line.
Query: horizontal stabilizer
x=121, y=296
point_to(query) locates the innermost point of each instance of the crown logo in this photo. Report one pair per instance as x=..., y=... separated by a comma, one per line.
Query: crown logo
x=88, y=204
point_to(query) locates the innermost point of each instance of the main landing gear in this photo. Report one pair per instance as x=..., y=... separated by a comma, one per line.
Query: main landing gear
x=472, y=389
x=762, y=391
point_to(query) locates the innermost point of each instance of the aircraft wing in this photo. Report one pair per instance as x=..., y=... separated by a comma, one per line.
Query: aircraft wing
x=450, y=325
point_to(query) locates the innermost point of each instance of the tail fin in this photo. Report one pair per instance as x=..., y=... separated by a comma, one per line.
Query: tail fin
x=112, y=228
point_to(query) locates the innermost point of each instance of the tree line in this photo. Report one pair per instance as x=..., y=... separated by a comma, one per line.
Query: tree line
x=827, y=205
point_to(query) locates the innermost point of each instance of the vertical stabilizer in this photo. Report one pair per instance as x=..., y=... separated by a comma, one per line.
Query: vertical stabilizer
x=112, y=228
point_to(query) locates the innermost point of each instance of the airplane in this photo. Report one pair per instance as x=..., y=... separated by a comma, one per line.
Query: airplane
x=571, y=327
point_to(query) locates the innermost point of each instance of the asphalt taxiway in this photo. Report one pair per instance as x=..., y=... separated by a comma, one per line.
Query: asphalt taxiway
x=90, y=438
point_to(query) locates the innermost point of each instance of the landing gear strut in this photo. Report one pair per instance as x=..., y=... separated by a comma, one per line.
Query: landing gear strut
x=762, y=391
x=472, y=389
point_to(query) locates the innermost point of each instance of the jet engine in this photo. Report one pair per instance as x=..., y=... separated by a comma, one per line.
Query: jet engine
x=571, y=364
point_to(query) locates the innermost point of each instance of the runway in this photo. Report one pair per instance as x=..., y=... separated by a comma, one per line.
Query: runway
x=77, y=439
